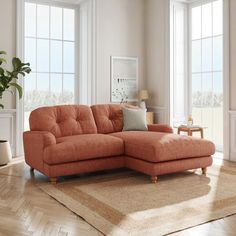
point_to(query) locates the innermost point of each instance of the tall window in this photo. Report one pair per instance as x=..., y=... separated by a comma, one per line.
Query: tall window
x=50, y=49
x=207, y=68
x=197, y=65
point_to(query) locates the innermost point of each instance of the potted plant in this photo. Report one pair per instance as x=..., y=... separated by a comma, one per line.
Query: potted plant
x=8, y=80
x=5, y=152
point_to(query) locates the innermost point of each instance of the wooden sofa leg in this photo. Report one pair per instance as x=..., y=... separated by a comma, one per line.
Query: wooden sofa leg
x=53, y=180
x=153, y=179
x=31, y=169
x=204, y=171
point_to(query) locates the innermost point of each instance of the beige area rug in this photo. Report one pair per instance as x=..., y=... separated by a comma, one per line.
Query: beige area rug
x=126, y=203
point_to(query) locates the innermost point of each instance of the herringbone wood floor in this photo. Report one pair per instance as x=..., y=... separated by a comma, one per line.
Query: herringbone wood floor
x=26, y=210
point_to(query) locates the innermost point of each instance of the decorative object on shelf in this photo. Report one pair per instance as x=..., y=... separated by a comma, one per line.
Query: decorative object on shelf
x=150, y=117
x=143, y=95
x=5, y=152
x=124, y=79
x=7, y=78
x=190, y=120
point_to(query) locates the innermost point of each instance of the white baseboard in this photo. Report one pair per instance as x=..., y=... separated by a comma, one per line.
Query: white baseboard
x=232, y=136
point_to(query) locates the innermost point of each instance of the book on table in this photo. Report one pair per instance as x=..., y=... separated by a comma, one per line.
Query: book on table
x=190, y=126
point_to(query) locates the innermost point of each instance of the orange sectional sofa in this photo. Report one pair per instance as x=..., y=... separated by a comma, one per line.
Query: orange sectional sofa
x=73, y=139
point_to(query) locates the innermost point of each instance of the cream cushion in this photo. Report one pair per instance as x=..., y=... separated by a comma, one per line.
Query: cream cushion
x=134, y=119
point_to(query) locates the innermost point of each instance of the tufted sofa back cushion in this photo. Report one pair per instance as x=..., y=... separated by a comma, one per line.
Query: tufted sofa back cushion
x=63, y=120
x=108, y=118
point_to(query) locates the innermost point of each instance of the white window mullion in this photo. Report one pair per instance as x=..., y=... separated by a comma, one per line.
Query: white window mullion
x=36, y=43
x=212, y=73
x=50, y=41
x=201, y=68
x=62, y=52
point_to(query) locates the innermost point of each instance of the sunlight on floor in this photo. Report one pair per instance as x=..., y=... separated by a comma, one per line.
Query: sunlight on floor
x=219, y=155
x=218, y=158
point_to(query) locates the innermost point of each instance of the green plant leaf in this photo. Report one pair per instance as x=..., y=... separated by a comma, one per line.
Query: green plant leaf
x=18, y=87
x=27, y=70
x=7, y=77
x=22, y=73
x=8, y=73
x=14, y=74
x=1, y=85
x=25, y=64
x=2, y=60
x=16, y=62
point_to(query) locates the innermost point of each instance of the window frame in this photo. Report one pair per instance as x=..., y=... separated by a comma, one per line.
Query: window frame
x=20, y=36
x=226, y=64
x=212, y=71
x=62, y=40
x=191, y=5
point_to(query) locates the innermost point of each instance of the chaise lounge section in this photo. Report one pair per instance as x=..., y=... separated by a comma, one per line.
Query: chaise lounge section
x=73, y=139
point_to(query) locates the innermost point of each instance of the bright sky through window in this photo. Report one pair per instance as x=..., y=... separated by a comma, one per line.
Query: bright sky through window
x=207, y=68
x=50, y=49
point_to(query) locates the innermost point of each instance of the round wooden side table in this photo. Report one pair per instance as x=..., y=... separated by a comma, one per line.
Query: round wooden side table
x=191, y=129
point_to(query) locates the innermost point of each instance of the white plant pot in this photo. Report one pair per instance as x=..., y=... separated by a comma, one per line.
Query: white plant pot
x=5, y=152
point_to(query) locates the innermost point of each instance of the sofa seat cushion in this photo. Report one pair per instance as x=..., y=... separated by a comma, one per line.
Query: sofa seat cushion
x=159, y=147
x=83, y=147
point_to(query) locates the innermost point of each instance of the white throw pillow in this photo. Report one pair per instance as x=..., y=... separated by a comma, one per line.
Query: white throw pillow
x=134, y=119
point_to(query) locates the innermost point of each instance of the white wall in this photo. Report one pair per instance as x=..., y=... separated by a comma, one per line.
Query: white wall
x=232, y=74
x=156, y=56
x=155, y=45
x=8, y=44
x=8, y=39
x=120, y=32
x=232, y=55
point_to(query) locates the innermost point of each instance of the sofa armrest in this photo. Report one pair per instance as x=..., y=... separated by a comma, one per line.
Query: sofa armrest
x=34, y=144
x=160, y=128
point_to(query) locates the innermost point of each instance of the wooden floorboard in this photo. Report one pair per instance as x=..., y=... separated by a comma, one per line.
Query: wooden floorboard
x=26, y=210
